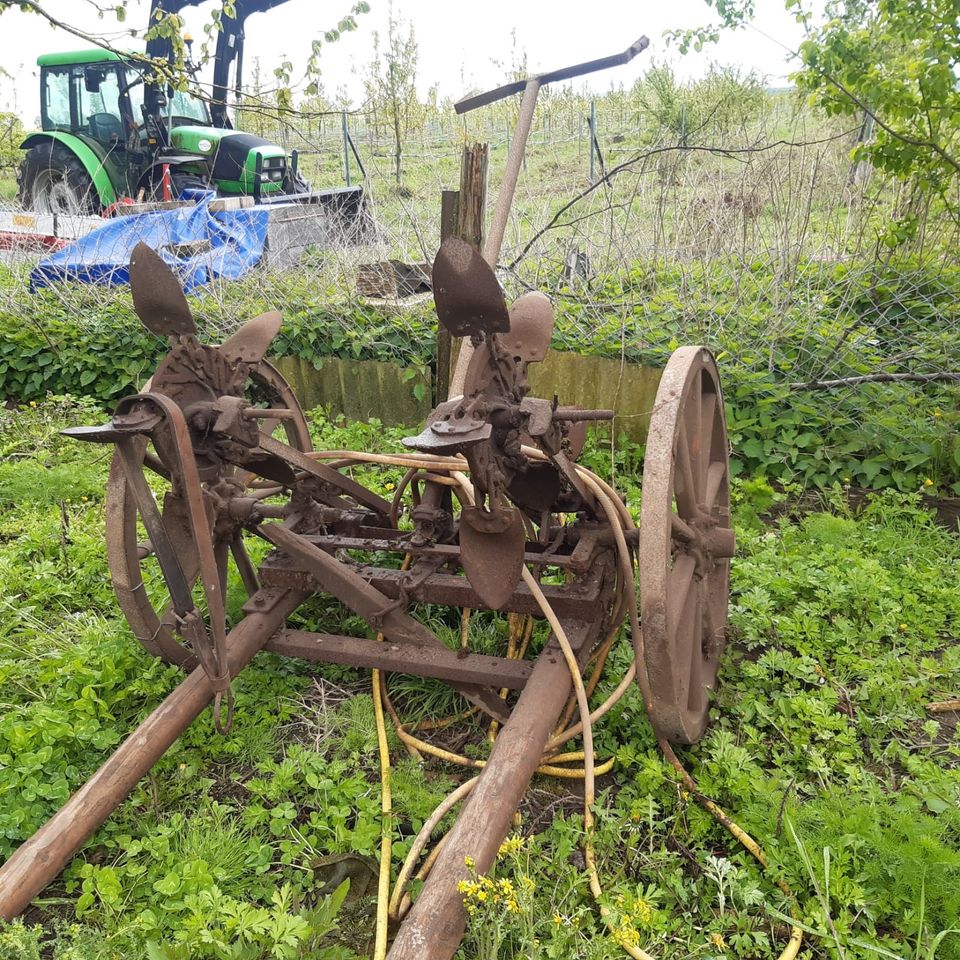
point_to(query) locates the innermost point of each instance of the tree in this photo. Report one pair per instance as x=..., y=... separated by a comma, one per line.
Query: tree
x=893, y=60
x=896, y=61
x=391, y=84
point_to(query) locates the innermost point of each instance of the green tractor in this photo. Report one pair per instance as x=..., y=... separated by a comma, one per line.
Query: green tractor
x=111, y=130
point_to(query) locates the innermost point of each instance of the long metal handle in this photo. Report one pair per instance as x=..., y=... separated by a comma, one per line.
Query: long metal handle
x=518, y=145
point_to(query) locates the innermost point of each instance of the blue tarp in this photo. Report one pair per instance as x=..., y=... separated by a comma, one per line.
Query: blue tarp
x=237, y=239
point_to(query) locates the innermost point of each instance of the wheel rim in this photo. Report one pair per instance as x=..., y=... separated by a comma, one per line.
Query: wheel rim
x=131, y=571
x=686, y=544
x=53, y=194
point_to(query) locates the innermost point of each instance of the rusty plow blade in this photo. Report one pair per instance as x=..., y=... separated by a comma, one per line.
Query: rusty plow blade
x=492, y=545
x=157, y=295
x=251, y=342
x=466, y=291
x=531, y=328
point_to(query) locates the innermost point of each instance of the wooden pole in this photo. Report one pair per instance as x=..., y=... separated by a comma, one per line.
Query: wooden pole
x=473, y=194
x=471, y=218
x=37, y=861
x=449, y=227
x=434, y=927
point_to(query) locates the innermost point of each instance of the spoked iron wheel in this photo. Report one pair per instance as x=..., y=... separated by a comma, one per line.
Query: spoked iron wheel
x=132, y=565
x=686, y=544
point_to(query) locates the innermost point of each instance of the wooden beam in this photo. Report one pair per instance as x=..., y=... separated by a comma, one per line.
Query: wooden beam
x=411, y=658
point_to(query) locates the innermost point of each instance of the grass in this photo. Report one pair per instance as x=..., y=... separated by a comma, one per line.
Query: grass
x=845, y=627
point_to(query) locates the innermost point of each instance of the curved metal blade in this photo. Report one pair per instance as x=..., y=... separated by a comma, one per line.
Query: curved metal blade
x=492, y=545
x=531, y=328
x=251, y=342
x=157, y=295
x=465, y=289
x=577, y=436
x=268, y=466
x=442, y=437
x=481, y=373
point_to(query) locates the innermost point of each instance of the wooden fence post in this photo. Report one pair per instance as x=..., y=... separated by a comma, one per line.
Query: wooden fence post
x=449, y=226
x=471, y=227
x=473, y=194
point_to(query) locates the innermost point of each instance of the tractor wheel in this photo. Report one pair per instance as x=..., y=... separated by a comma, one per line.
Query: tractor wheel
x=53, y=180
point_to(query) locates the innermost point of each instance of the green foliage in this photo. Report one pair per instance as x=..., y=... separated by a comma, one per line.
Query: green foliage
x=722, y=102
x=894, y=58
x=842, y=629
x=11, y=136
x=831, y=320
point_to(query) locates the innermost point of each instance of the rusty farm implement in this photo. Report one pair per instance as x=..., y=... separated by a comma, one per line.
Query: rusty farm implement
x=493, y=513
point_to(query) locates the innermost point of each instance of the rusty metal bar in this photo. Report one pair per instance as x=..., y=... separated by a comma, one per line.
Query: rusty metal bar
x=434, y=927
x=576, y=600
x=38, y=860
x=564, y=73
x=396, y=541
x=375, y=607
x=412, y=658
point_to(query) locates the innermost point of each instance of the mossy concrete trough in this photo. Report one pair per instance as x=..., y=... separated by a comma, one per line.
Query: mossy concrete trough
x=361, y=389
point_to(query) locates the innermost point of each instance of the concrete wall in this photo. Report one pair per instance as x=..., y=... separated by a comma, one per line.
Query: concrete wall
x=361, y=389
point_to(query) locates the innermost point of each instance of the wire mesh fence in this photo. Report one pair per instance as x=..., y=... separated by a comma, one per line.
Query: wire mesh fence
x=757, y=236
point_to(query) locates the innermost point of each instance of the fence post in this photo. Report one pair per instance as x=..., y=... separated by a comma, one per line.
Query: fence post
x=449, y=225
x=346, y=146
x=473, y=194
x=593, y=133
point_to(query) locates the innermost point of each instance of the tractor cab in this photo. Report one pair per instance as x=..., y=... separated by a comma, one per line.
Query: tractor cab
x=103, y=100
x=112, y=128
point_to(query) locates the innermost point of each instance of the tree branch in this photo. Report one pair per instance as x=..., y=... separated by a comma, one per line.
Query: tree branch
x=875, y=378
x=613, y=171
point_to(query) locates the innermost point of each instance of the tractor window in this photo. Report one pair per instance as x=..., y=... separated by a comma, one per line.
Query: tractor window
x=185, y=106
x=97, y=89
x=56, y=99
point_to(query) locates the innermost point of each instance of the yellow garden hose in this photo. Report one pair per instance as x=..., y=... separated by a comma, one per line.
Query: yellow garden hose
x=619, y=518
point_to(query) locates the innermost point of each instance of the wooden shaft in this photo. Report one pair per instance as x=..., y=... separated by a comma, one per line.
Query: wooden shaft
x=37, y=861
x=434, y=927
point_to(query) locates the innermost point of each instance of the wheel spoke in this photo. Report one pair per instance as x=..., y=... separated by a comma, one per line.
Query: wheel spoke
x=685, y=489
x=708, y=412
x=715, y=474
x=678, y=589
x=696, y=691
x=684, y=654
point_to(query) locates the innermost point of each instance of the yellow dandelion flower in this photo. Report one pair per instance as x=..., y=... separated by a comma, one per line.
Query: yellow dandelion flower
x=717, y=940
x=510, y=846
x=643, y=911
x=558, y=919
x=469, y=862
x=512, y=905
x=390, y=486
x=481, y=895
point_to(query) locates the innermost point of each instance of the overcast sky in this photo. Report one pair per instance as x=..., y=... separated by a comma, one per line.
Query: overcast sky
x=459, y=42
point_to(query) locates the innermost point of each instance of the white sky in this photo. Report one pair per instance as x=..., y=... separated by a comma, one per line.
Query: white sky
x=458, y=42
